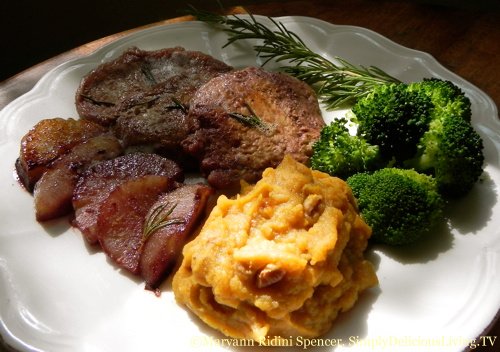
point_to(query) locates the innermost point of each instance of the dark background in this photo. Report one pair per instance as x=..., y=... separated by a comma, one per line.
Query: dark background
x=33, y=31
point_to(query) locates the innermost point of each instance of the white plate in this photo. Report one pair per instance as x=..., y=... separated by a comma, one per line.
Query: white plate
x=57, y=294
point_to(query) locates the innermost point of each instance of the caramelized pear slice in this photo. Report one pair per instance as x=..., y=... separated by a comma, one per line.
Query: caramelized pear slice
x=171, y=221
x=48, y=140
x=98, y=181
x=54, y=190
x=121, y=218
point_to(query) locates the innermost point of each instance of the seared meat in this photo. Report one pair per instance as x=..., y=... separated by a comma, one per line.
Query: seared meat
x=121, y=218
x=245, y=121
x=183, y=207
x=158, y=119
x=137, y=72
x=46, y=141
x=97, y=182
x=54, y=190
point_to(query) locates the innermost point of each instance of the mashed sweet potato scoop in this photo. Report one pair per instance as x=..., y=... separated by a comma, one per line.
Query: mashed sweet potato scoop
x=283, y=258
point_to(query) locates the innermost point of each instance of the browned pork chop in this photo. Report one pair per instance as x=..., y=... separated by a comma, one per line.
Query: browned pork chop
x=245, y=121
x=158, y=119
x=181, y=210
x=130, y=77
x=54, y=191
x=48, y=140
x=98, y=181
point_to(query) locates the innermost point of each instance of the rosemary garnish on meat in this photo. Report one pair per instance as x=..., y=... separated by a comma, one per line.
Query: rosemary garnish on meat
x=146, y=71
x=95, y=101
x=177, y=104
x=158, y=219
x=251, y=120
x=337, y=83
x=248, y=120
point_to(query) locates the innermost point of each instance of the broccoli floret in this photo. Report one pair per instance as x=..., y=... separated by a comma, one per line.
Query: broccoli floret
x=341, y=154
x=452, y=151
x=446, y=97
x=423, y=125
x=427, y=126
x=394, y=118
x=400, y=205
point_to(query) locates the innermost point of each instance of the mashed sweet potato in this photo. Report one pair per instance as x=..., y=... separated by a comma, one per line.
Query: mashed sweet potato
x=283, y=258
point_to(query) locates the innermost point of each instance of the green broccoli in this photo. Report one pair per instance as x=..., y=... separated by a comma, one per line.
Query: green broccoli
x=394, y=118
x=400, y=205
x=341, y=154
x=450, y=149
x=427, y=126
x=423, y=125
x=445, y=96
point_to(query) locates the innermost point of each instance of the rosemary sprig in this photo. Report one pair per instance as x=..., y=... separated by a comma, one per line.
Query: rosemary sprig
x=95, y=101
x=248, y=120
x=177, y=104
x=251, y=120
x=337, y=83
x=158, y=219
x=146, y=71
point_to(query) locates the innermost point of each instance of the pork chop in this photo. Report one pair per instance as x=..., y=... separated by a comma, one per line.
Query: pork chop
x=137, y=72
x=244, y=121
x=157, y=119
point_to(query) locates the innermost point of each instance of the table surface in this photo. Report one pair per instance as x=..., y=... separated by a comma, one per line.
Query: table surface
x=464, y=40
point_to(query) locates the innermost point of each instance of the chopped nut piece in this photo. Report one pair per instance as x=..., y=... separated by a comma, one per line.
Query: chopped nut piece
x=270, y=275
